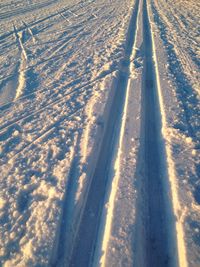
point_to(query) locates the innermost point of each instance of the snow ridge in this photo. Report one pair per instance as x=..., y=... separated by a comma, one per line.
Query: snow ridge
x=23, y=64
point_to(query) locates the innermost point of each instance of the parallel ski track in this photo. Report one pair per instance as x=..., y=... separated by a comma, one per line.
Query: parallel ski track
x=156, y=230
x=83, y=247
x=153, y=218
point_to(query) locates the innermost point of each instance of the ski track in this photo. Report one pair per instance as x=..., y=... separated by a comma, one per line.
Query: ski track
x=30, y=31
x=158, y=237
x=68, y=72
x=82, y=251
x=104, y=231
x=85, y=243
x=52, y=68
x=153, y=214
x=185, y=89
x=56, y=101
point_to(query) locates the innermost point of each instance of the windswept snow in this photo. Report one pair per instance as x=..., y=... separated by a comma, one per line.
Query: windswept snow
x=99, y=133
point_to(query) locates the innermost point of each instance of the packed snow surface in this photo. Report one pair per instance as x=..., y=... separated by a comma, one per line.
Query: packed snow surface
x=99, y=133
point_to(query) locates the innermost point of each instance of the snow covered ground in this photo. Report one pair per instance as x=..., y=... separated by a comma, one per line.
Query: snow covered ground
x=99, y=133
x=176, y=27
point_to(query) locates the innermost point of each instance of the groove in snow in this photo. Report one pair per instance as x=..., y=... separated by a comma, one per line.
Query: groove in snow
x=182, y=257
x=106, y=224
x=86, y=240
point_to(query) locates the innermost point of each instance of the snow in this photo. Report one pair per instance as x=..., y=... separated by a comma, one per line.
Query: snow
x=108, y=218
x=171, y=168
x=180, y=102
x=59, y=76
x=62, y=64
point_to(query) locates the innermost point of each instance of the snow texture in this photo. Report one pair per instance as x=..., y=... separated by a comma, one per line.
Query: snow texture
x=99, y=133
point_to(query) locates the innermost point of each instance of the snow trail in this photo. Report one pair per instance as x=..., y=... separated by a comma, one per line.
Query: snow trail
x=156, y=245
x=99, y=134
x=181, y=250
x=106, y=223
x=155, y=238
x=159, y=245
x=86, y=239
x=159, y=228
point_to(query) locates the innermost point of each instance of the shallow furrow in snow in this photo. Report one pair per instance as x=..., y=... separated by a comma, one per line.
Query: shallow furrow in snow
x=179, y=79
x=154, y=239
x=84, y=245
x=30, y=31
x=155, y=216
x=69, y=69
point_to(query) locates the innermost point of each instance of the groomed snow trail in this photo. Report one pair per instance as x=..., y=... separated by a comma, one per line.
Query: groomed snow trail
x=155, y=240
x=158, y=236
x=155, y=222
x=163, y=240
x=86, y=239
x=99, y=133
x=175, y=29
